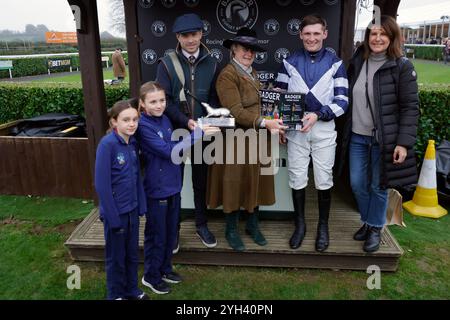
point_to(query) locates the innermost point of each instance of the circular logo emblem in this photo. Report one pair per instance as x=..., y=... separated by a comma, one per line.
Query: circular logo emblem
x=206, y=28
x=191, y=3
x=146, y=3
x=271, y=27
x=159, y=28
x=217, y=54
x=281, y=54
x=169, y=3
x=307, y=2
x=235, y=14
x=331, y=2
x=149, y=56
x=284, y=3
x=166, y=53
x=260, y=57
x=293, y=27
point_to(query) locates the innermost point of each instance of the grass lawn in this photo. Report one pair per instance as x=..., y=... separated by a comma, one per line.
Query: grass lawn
x=431, y=72
x=33, y=263
x=76, y=77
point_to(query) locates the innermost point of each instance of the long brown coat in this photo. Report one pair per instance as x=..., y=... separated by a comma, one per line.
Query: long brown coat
x=239, y=185
x=118, y=63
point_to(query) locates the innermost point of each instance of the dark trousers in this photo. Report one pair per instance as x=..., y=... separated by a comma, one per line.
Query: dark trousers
x=199, y=181
x=160, y=234
x=122, y=257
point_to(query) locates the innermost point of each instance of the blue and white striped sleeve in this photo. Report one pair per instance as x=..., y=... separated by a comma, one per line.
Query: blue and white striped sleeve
x=282, y=79
x=339, y=105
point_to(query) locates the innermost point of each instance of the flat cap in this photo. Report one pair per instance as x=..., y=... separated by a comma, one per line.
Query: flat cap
x=189, y=22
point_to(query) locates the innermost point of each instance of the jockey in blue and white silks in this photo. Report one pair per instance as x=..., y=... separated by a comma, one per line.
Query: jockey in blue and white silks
x=321, y=76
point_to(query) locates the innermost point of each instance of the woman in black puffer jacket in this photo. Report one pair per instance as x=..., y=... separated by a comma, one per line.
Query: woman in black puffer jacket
x=380, y=128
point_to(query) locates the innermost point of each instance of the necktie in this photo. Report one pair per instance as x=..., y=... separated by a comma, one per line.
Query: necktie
x=191, y=59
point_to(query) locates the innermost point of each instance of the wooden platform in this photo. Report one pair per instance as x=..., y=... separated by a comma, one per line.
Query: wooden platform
x=87, y=243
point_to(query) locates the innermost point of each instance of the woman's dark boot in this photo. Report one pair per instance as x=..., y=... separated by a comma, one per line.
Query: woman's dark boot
x=252, y=228
x=373, y=240
x=322, y=239
x=298, y=199
x=361, y=234
x=232, y=232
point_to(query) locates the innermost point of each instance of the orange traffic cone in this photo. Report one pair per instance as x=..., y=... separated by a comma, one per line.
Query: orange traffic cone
x=425, y=200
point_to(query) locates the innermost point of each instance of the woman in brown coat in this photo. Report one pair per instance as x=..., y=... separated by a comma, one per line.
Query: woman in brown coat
x=235, y=185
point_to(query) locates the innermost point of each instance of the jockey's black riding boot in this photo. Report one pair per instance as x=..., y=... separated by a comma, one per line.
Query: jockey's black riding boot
x=298, y=199
x=322, y=239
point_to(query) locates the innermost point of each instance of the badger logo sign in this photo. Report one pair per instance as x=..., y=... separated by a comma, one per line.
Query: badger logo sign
x=149, y=56
x=191, y=3
x=260, y=57
x=217, y=54
x=169, y=3
x=146, y=3
x=281, y=54
x=293, y=27
x=271, y=27
x=159, y=28
x=235, y=14
x=206, y=28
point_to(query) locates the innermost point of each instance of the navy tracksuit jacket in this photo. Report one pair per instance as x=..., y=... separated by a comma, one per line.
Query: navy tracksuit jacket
x=162, y=184
x=122, y=200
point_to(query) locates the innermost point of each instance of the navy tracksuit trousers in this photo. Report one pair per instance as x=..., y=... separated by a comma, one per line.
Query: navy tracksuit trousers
x=161, y=228
x=122, y=257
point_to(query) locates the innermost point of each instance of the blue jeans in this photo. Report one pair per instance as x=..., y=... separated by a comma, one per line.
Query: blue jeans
x=372, y=201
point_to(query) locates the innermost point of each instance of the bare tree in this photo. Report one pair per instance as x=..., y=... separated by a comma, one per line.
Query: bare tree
x=117, y=16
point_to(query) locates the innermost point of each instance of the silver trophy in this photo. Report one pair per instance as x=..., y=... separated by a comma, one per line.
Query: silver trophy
x=217, y=117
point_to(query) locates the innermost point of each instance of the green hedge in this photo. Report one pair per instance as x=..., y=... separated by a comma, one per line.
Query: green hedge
x=426, y=52
x=21, y=101
x=34, y=66
x=434, y=121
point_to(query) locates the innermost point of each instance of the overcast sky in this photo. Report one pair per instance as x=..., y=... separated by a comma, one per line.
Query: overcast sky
x=56, y=14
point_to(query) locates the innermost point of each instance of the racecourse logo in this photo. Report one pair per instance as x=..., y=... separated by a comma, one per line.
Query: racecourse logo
x=149, y=56
x=217, y=54
x=293, y=27
x=284, y=3
x=159, y=28
x=235, y=14
x=307, y=2
x=191, y=3
x=146, y=3
x=166, y=53
x=169, y=3
x=331, y=2
x=271, y=27
x=260, y=57
x=281, y=54
x=206, y=28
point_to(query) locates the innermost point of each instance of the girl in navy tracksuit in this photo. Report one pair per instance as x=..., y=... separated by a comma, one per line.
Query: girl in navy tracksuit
x=122, y=200
x=162, y=185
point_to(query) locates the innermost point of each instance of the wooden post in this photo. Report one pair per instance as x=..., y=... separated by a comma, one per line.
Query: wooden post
x=91, y=74
x=133, y=41
x=347, y=30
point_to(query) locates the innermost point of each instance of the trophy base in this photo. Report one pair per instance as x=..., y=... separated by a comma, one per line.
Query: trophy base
x=221, y=122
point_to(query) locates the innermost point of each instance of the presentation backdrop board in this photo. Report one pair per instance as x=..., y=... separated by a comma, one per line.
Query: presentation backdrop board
x=276, y=22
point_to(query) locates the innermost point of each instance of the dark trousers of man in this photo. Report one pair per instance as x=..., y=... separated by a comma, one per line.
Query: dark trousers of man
x=122, y=257
x=160, y=234
x=199, y=180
